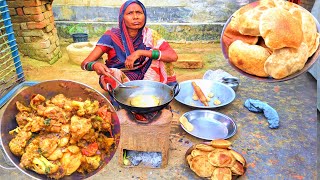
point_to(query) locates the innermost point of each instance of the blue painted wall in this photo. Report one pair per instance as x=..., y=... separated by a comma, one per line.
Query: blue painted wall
x=193, y=20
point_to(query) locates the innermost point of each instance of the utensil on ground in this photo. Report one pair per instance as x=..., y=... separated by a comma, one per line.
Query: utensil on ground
x=219, y=91
x=210, y=125
x=233, y=82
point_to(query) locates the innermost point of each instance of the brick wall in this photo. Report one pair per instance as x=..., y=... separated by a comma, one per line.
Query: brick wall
x=34, y=27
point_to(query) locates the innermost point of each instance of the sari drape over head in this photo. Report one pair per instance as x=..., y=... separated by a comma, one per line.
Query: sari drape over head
x=118, y=45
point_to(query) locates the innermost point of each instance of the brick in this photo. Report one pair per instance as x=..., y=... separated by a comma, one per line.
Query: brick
x=54, y=31
x=15, y=4
x=24, y=46
x=49, y=27
x=32, y=3
x=46, y=36
x=12, y=11
x=53, y=39
x=23, y=26
x=47, y=14
x=18, y=19
x=36, y=32
x=60, y=54
x=58, y=42
x=46, y=57
x=18, y=33
x=43, y=8
x=16, y=27
x=32, y=10
x=54, y=59
x=49, y=50
x=42, y=38
x=45, y=53
x=49, y=7
x=36, y=25
x=19, y=11
x=189, y=61
x=42, y=44
x=20, y=40
x=51, y=19
x=37, y=17
x=56, y=51
x=27, y=39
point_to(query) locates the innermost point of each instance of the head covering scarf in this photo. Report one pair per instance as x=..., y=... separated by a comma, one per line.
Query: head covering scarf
x=119, y=39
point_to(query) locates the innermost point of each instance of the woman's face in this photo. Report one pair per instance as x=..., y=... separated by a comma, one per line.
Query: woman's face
x=134, y=17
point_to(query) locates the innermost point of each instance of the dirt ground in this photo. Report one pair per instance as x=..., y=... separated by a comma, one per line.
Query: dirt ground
x=284, y=153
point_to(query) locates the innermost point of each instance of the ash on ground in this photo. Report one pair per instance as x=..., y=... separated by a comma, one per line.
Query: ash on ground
x=152, y=159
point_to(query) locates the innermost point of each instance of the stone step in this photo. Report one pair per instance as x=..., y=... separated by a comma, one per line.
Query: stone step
x=189, y=61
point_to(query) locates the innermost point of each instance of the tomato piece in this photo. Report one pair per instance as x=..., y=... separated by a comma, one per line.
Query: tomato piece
x=90, y=150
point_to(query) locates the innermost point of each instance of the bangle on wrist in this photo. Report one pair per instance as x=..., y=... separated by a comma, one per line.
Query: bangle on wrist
x=89, y=66
x=159, y=56
x=84, y=67
x=155, y=54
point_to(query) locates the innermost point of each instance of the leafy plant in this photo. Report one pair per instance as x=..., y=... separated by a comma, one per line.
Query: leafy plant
x=76, y=28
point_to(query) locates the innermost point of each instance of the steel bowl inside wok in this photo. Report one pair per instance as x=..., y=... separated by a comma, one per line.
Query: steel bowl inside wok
x=145, y=87
x=49, y=89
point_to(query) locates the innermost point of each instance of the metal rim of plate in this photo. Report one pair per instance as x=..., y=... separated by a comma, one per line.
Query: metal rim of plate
x=310, y=62
x=213, y=112
x=232, y=94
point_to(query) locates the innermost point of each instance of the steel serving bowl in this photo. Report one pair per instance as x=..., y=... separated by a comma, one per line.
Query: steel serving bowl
x=311, y=60
x=48, y=89
x=220, y=91
x=210, y=125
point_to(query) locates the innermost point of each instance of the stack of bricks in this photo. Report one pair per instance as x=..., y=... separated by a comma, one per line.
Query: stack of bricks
x=35, y=30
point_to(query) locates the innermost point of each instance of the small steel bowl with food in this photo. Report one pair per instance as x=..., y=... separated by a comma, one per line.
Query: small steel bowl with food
x=51, y=130
x=212, y=94
x=146, y=97
x=258, y=45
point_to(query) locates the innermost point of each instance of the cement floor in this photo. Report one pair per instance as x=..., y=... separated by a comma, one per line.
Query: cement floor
x=289, y=152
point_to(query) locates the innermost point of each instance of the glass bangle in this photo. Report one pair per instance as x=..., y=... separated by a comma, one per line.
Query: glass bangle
x=155, y=54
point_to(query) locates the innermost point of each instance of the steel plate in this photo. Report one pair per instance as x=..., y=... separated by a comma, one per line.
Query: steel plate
x=311, y=60
x=221, y=91
x=210, y=125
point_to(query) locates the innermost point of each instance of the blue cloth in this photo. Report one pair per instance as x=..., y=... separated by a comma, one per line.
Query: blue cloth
x=259, y=106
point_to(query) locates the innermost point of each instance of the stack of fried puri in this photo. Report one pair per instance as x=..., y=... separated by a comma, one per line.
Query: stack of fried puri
x=216, y=160
x=271, y=38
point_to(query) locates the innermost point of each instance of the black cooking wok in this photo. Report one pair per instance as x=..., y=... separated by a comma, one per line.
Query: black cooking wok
x=145, y=87
x=49, y=89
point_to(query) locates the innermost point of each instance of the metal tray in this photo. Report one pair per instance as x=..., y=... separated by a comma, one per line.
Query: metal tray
x=210, y=125
x=221, y=91
x=311, y=60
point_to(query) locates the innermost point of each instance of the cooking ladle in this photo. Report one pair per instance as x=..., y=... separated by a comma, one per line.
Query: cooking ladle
x=121, y=85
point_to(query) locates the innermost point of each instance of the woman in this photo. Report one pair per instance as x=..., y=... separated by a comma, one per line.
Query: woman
x=135, y=52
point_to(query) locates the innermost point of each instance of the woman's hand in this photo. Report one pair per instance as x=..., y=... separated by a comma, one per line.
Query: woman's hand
x=131, y=59
x=101, y=69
